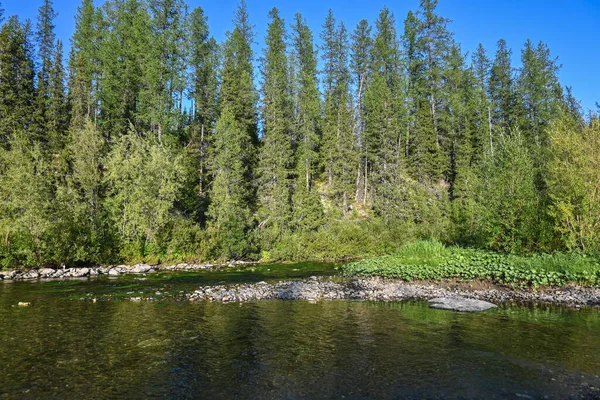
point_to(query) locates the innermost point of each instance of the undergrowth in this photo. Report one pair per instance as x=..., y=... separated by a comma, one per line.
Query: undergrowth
x=431, y=260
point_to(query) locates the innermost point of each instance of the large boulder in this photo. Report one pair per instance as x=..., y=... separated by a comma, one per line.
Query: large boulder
x=460, y=304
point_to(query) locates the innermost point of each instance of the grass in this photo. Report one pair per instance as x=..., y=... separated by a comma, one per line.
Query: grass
x=431, y=260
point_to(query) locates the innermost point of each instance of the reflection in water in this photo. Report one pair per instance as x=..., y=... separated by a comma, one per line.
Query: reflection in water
x=275, y=349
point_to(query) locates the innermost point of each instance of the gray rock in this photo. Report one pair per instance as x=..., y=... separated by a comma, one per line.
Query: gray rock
x=460, y=304
x=58, y=273
x=114, y=272
x=46, y=272
x=141, y=268
x=80, y=272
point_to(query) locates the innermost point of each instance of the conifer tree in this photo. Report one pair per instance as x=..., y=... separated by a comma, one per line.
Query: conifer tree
x=237, y=92
x=204, y=92
x=538, y=88
x=307, y=209
x=501, y=88
x=338, y=150
x=480, y=65
x=276, y=155
x=58, y=117
x=427, y=33
x=237, y=75
x=46, y=40
x=360, y=63
x=16, y=80
x=84, y=74
x=229, y=216
x=163, y=81
x=123, y=54
x=385, y=114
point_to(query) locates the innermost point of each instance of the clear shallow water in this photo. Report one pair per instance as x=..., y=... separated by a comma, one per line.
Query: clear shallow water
x=62, y=347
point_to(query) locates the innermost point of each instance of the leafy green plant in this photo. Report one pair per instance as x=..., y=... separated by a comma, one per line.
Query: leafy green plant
x=433, y=261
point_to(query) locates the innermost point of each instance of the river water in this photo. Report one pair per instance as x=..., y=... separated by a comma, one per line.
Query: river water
x=68, y=346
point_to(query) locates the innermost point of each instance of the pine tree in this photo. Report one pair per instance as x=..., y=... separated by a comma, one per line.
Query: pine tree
x=237, y=92
x=229, y=216
x=16, y=80
x=338, y=150
x=429, y=43
x=480, y=65
x=276, y=155
x=46, y=41
x=58, y=117
x=237, y=75
x=385, y=115
x=360, y=62
x=501, y=88
x=163, y=81
x=123, y=54
x=539, y=90
x=84, y=73
x=307, y=209
x=204, y=93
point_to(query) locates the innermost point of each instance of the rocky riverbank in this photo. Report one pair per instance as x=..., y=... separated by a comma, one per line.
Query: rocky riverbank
x=376, y=289
x=111, y=270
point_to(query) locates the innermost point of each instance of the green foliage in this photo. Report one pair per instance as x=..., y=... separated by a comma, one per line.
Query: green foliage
x=343, y=239
x=434, y=261
x=144, y=179
x=574, y=183
x=510, y=203
x=151, y=151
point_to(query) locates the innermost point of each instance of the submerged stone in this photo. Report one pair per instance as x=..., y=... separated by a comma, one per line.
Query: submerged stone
x=460, y=304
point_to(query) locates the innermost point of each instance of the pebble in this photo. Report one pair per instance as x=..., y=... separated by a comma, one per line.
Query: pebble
x=376, y=289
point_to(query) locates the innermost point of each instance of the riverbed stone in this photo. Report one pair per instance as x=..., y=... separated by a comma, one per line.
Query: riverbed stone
x=80, y=272
x=46, y=272
x=461, y=304
x=141, y=269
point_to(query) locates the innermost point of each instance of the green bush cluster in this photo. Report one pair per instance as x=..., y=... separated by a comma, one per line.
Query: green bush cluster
x=433, y=261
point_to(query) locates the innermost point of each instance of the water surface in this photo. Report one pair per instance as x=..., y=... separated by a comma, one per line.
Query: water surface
x=63, y=347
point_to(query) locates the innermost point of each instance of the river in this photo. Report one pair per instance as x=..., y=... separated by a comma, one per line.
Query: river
x=80, y=339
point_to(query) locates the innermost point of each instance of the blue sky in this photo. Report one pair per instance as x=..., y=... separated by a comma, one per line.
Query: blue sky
x=571, y=28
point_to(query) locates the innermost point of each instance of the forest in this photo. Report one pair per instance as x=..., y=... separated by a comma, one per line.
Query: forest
x=151, y=141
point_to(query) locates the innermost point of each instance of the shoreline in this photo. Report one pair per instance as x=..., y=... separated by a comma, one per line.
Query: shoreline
x=317, y=289
x=111, y=270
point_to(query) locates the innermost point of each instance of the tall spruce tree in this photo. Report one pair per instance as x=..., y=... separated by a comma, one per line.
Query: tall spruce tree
x=480, y=64
x=237, y=75
x=385, y=114
x=163, y=80
x=501, y=88
x=84, y=70
x=338, y=150
x=276, y=157
x=360, y=63
x=203, y=93
x=17, y=91
x=539, y=90
x=58, y=116
x=433, y=41
x=307, y=209
x=46, y=41
x=229, y=214
x=123, y=54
